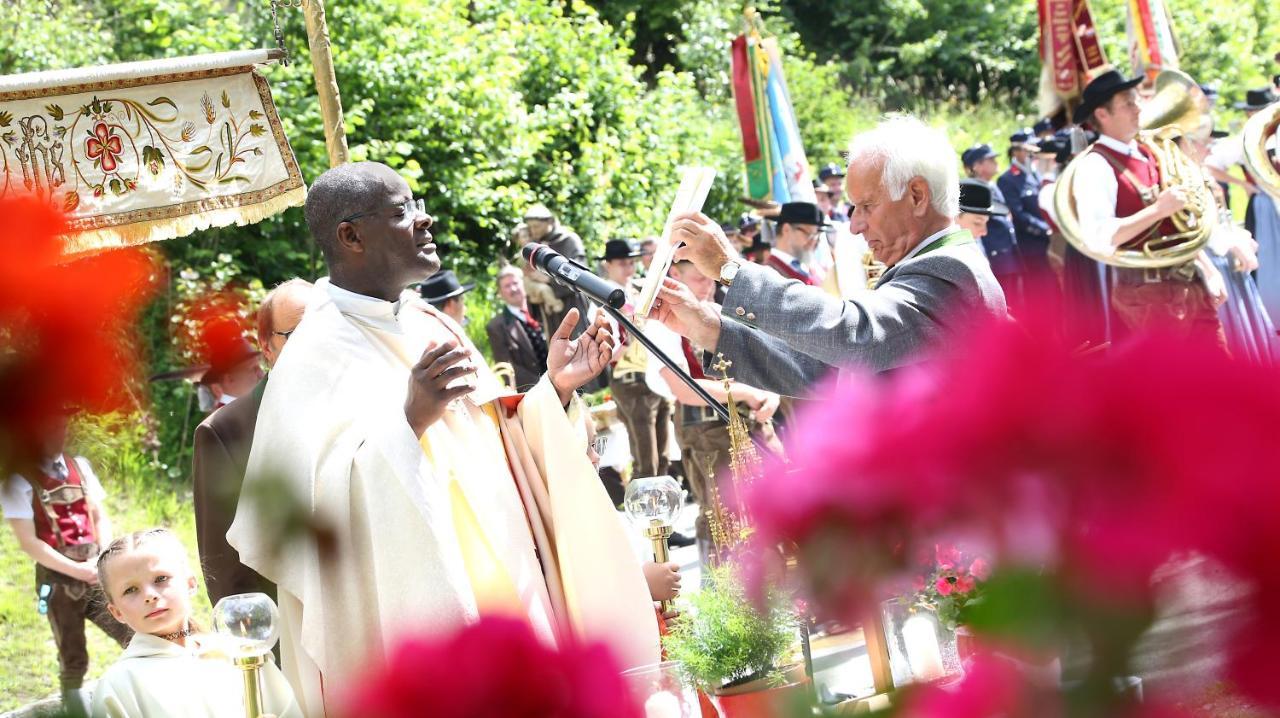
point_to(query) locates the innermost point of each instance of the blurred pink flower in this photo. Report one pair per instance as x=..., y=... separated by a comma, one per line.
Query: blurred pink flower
x=943, y=586
x=980, y=568
x=948, y=556
x=1093, y=468
x=991, y=687
x=496, y=668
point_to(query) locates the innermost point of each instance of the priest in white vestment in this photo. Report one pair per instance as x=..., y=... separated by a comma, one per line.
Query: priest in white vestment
x=440, y=497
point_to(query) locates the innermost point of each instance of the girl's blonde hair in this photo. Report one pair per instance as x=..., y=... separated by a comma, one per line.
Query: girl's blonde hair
x=129, y=542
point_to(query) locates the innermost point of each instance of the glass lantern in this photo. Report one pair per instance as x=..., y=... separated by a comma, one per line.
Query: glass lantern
x=250, y=623
x=653, y=503
x=250, y=620
x=661, y=691
x=920, y=648
x=653, y=499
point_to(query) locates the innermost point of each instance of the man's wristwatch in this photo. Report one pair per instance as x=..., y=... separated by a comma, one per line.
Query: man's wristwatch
x=729, y=270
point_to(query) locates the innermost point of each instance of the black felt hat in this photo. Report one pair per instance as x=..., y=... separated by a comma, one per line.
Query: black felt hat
x=976, y=198
x=443, y=285
x=1258, y=99
x=1103, y=88
x=800, y=213
x=620, y=249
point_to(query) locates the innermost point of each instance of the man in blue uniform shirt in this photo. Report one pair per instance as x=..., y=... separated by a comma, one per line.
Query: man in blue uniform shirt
x=1020, y=185
x=999, y=244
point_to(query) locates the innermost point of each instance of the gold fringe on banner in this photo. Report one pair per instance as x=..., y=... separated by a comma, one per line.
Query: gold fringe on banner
x=158, y=230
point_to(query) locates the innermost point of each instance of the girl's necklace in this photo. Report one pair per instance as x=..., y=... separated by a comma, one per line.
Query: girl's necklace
x=177, y=635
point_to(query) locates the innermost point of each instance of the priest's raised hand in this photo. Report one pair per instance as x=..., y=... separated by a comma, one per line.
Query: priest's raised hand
x=442, y=375
x=574, y=362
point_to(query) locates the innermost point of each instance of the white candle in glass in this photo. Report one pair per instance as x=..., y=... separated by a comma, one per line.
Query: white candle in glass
x=662, y=705
x=923, y=652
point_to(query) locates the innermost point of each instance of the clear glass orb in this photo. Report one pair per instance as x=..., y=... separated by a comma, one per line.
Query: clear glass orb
x=250, y=621
x=654, y=497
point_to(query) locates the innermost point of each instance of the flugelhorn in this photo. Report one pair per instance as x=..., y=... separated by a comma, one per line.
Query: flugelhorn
x=1261, y=129
x=1178, y=107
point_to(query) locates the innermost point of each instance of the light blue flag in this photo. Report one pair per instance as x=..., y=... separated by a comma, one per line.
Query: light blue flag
x=791, y=179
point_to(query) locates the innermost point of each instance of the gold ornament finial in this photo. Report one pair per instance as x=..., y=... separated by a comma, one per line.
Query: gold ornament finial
x=732, y=526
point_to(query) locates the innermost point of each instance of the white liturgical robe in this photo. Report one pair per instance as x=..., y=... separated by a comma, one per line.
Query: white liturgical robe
x=155, y=678
x=496, y=510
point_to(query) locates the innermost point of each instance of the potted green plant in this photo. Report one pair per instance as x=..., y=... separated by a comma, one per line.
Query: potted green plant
x=736, y=652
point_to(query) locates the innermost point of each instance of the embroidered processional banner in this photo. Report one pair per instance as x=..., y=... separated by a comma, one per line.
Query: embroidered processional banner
x=146, y=151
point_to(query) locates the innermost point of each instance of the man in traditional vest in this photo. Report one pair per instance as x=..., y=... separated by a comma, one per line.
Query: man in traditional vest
x=55, y=510
x=799, y=230
x=1120, y=204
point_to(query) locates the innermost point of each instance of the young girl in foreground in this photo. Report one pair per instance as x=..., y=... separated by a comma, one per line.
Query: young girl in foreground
x=168, y=670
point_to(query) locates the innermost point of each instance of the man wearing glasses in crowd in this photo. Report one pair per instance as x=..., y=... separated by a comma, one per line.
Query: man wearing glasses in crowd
x=799, y=227
x=220, y=452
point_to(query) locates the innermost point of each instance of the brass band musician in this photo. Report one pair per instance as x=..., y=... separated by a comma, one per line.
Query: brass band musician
x=1121, y=205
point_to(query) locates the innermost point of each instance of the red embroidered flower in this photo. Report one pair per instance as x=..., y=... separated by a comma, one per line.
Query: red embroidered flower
x=496, y=668
x=105, y=145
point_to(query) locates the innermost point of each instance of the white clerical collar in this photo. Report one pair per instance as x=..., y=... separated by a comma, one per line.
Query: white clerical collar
x=1130, y=148
x=375, y=312
x=929, y=240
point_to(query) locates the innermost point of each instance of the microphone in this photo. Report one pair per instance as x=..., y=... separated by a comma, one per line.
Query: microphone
x=573, y=275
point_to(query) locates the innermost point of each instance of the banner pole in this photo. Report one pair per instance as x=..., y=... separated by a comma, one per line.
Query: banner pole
x=335, y=138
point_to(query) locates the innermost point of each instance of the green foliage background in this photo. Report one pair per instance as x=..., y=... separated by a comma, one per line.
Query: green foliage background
x=486, y=106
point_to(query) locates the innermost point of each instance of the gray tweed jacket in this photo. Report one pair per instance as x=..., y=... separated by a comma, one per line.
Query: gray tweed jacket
x=785, y=336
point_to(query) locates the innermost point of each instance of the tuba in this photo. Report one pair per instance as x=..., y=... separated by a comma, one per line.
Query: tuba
x=1178, y=107
x=1263, y=129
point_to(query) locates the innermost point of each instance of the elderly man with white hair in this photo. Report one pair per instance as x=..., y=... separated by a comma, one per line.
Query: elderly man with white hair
x=904, y=189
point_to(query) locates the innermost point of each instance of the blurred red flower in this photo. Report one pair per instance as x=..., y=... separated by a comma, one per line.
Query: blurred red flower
x=496, y=668
x=66, y=324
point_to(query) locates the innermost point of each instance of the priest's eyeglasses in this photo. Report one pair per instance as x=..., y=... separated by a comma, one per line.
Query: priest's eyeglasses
x=412, y=208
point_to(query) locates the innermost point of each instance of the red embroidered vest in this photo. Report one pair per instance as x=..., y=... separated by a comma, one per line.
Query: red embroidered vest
x=1129, y=196
x=61, y=511
x=791, y=272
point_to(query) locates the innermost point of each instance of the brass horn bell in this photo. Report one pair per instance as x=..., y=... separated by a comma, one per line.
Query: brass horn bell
x=1177, y=108
x=1261, y=130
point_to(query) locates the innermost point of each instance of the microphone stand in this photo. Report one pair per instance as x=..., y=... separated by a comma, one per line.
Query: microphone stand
x=622, y=320
x=720, y=409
